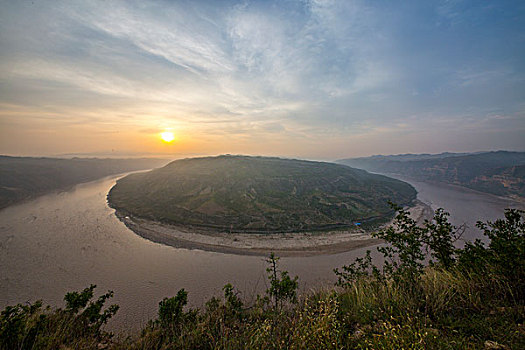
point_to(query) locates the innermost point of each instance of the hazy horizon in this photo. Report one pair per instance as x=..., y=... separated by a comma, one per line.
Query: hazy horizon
x=172, y=157
x=304, y=79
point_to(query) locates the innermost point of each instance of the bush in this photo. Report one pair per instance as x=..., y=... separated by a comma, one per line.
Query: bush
x=79, y=325
x=283, y=288
x=407, y=247
x=170, y=309
x=474, y=295
x=504, y=257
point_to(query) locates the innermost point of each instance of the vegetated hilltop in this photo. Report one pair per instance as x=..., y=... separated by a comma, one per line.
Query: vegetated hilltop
x=26, y=177
x=500, y=173
x=258, y=194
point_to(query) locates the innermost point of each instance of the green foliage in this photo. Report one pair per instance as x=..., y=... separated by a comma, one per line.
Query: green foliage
x=505, y=254
x=89, y=315
x=404, y=250
x=459, y=295
x=76, y=301
x=258, y=194
x=78, y=325
x=18, y=325
x=407, y=247
x=171, y=309
x=360, y=268
x=232, y=300
x=283, y=288
x=440, y=236
x=407, y=244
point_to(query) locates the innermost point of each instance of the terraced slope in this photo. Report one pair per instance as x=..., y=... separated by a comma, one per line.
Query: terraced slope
x=501, y=173
x=258, y=194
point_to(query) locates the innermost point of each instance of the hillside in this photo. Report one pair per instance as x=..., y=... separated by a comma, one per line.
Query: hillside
x=258, y=194
x=23, y=178
x=499, y=173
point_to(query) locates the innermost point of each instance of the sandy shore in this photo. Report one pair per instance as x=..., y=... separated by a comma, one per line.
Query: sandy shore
x=288, y=244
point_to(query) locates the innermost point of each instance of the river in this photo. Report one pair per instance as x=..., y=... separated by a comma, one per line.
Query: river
x=65, y=241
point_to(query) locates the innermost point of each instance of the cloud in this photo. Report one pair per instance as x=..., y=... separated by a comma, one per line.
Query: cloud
x=306, y=69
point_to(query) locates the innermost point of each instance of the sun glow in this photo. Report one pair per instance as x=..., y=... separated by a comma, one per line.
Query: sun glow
x=167, y=136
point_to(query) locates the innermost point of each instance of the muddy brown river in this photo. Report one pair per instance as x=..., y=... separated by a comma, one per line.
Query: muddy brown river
x=66, y=241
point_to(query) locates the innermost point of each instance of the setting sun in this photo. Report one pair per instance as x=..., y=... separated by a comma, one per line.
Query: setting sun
x=167, y=136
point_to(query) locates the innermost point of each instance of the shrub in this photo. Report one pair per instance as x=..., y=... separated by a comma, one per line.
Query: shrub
x=171, y=309
x=504, y=257
x=78, y=325
x=232, y=300
x=283, y=288
x=473, y=295
x=407, y=247
x=439, y=239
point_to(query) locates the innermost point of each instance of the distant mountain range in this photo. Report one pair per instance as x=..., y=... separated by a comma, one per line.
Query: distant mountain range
x=23, y=178
x=500, y=172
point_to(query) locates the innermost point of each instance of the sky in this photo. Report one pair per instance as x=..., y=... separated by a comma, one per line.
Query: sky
x=314, y=79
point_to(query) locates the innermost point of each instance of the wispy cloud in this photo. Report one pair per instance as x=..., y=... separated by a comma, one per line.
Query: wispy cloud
x=301, y=70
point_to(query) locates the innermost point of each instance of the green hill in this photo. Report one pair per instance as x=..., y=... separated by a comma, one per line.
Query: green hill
x=258, y=194
x=23, y=178
x=500, y=173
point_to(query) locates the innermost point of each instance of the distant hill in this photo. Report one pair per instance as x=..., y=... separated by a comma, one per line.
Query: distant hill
x=23, y=178
x=500, y=173
x=409, y=156
x=258, y=194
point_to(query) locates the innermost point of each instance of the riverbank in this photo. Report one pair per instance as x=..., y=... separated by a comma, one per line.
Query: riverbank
x=282, y=244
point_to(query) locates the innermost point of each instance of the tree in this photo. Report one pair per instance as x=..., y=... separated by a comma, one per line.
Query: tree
x=407, y=247
x=505, y=254
x=440, y=238
x=282, y=288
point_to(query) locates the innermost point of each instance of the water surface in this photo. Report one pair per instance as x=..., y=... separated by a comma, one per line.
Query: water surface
x=66, y=241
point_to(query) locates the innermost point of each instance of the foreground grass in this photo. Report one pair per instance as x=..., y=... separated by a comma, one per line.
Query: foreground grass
x=476, y=301
x=443, y=310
